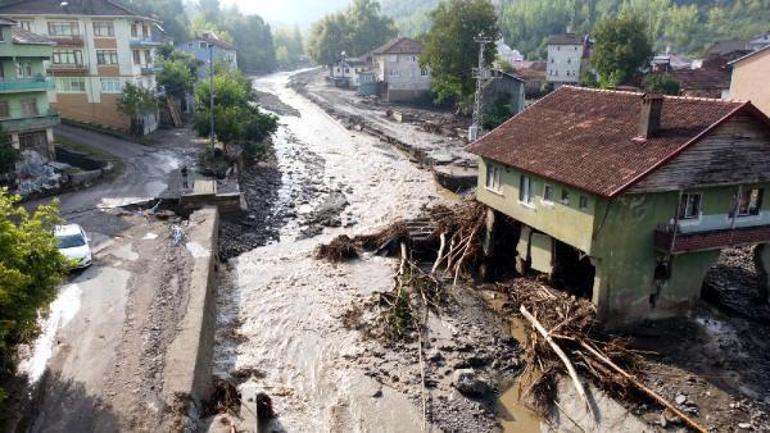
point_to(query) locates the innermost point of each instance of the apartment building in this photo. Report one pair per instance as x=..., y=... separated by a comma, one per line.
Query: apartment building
x=100, y=46
x=565, y=57
x=25, y=114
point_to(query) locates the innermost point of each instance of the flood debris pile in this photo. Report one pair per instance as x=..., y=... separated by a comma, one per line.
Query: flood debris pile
x=563, y=341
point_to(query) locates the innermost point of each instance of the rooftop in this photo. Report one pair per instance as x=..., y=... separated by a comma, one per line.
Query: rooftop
x=214, y=41
x=70, y=7
x=585, y=138
x=763, y=50
x=703, y=79
x=565, y=39
x=400, y=45
x=25, y=37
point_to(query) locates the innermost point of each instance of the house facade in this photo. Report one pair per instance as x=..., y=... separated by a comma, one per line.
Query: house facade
x=223, y=52
x=750, y=79
x=397, y=66
x=99, y=47
x=628, y=198
x=507, y=86
x=565, y=56
x=25, y=114
x=347, y=72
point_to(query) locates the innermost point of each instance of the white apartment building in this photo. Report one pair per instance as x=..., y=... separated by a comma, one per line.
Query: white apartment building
x=565, y=54
x=100, y=46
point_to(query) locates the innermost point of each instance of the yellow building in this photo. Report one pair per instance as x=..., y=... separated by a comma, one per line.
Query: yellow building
x=751, y=79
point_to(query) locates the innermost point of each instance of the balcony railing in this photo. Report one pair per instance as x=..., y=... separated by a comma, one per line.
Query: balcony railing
x=668, y=241
x=26, y=85
x=49, y=119
x=144, y=42
x=67, y=41
x=68, y=67
x=151, y=69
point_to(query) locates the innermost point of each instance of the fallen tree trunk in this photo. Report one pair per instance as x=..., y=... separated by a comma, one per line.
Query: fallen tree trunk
x=650, y=393
x=563, y=356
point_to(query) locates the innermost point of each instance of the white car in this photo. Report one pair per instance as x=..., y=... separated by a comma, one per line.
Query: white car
x=73, y=244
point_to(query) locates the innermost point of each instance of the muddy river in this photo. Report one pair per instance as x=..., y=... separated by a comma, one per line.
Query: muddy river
x=279, y=312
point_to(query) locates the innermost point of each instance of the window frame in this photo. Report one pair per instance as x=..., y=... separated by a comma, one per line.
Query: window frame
x=99, y=26
x=103, y=55
x=104, y=80
x=749, y=211
x=685, y=201
x=583, y=202
x=76, y=55
x=526, y=197
x=7, y=110
x=29, y=107
x=548, y=192
x=60, y=88
x=74, y=29
x=564, y=196
x=494, y=179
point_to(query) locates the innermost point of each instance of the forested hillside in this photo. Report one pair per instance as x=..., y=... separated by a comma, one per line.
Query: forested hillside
x=687, y=26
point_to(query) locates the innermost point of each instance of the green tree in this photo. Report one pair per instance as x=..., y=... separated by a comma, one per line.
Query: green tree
x=288, y=46
x=253, y=38
x=30, y=269
x=176, y=23
x=369, y=28
x=450, y=50
x=236, y=116
x=136, y=102
x=497, y=113
x=661, y=83
x=621, y=49
x=176, y=77
x=329, y=37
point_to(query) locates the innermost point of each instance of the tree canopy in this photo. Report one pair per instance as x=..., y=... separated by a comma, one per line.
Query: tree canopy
x=450, y=50
x=288, y=46
x=357, y=30
x=621, y=48
x=30, y=269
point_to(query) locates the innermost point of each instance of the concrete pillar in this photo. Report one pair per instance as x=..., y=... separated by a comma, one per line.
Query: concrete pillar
x=488, y=242
x=762, y=264
x=15, y=141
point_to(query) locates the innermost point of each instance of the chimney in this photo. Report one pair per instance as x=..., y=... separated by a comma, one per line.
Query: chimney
x=649, y=122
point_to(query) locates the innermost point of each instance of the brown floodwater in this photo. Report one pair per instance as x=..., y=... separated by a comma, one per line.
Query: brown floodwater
x=512, y=411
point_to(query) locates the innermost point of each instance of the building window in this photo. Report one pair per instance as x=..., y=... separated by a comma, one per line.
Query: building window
x=583, y=202
x=111, y=85
x=423, y=72
x=67, y=57
x=147, y=57
x=145, y=31
x=137, y=57
x=564, y=196
x=70, y=84
x=393, y=72
x=134, y=30
x=104, y=29
x=525, y=189
x=63, y=28
x=189, y=45
x=29, y=107
x=5, y=109
x=749, y=202
x=569, y=61
x=24, y=70
x=107, y=57
x=493, y=178
x=26, y=25
x=2, y=73
x=548, y=193
x=203, y=45
x=690, y=206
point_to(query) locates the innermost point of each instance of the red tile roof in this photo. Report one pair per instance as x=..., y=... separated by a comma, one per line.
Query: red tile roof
x=72, y=7
x=400, y=46
x=585, y=137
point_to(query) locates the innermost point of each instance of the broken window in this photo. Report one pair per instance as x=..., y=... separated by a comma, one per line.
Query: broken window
x=583, y=202
x=525, y=189
x=548, y=193
x=749, y=201
x=493, y=178
x=690, y=205
x=564, y=196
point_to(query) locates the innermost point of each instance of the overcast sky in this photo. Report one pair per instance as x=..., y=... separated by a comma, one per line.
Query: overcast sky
x=288, y=12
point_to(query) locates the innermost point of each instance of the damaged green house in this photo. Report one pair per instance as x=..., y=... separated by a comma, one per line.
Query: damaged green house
x=628, y=198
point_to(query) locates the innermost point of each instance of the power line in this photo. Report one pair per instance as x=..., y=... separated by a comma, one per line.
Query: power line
x=483, y=76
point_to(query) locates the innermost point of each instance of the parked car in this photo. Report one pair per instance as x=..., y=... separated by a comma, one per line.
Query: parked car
x=73, y=244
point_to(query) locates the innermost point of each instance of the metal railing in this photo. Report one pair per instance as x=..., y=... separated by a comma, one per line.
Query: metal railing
x=26, y=84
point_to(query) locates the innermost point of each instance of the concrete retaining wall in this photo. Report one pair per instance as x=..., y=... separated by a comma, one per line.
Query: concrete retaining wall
x=187, y=372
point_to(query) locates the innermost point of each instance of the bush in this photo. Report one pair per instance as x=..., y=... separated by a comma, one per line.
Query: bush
x=661, y=83
x=31, y=268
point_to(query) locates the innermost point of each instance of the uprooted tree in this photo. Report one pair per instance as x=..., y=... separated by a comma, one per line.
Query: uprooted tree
x=30, y=269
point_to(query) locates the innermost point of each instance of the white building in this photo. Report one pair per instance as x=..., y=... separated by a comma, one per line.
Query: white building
x=565, y=54
x=397, y=66
x=100, y=46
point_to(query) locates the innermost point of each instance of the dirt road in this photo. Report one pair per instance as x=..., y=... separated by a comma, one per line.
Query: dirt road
x=98, y=364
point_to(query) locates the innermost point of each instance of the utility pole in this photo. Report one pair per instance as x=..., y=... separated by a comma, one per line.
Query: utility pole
x=483, y=76
x=211, y=95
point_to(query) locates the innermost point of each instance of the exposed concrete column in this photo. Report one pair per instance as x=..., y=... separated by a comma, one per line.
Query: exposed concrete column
x=488, y=242
x=762, y=264
x=601, y=291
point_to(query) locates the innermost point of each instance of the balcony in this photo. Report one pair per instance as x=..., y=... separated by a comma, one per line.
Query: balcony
x=151, y=69
x=38, y=84
x=42, y=121
x=67, y=68
x=667, y=241
x=143, y=42
x=67, y=41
